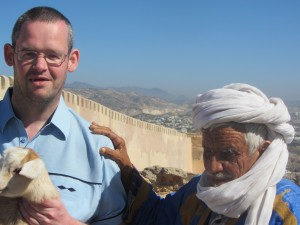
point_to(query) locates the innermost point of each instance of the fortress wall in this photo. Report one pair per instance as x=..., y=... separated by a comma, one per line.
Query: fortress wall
x=5, y=82
x=154, y=146
x=197, y=152
x=147, y=144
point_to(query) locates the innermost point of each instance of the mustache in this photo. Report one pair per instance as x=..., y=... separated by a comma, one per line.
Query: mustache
x=219, y=175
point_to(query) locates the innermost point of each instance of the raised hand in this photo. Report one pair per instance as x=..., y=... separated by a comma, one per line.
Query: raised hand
x=119, y=155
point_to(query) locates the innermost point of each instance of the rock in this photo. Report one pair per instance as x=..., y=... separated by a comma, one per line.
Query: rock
x=150, y=173
x=166, y=179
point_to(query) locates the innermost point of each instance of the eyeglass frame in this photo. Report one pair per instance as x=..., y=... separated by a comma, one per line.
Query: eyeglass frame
x=37, y=55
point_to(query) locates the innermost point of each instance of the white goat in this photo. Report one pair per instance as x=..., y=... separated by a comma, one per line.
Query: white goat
x=22, y=174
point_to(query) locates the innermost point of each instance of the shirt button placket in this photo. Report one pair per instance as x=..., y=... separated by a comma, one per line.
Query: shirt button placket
x=23, y=141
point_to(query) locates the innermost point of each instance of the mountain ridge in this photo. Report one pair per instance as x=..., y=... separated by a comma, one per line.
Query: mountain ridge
x=150, y=92
x=143, y=104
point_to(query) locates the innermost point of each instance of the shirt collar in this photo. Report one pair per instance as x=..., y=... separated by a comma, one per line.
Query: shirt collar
x=60, y=119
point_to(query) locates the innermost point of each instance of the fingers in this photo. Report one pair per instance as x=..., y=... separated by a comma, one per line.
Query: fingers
x=106, y=151
x=118, y=142
x=112, y=154
x=48, y=212
x=119, y=156
x=97, y=129
x=29, y=213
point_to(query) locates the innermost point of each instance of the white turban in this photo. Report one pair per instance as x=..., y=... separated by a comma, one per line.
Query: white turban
x=254, y=191
x=242, y=103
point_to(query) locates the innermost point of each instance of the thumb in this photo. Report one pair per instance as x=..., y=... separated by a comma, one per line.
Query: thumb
x=112, y=154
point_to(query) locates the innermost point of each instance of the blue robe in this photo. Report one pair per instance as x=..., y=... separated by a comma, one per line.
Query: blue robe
x=183, y=207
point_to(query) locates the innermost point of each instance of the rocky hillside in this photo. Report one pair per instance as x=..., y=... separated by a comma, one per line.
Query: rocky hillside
x=131, y=103
x=147, y=105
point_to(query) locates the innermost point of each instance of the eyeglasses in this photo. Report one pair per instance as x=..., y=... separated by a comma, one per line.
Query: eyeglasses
x=52, y=59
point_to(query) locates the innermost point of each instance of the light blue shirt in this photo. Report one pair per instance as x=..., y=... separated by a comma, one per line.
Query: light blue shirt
x=90, y=184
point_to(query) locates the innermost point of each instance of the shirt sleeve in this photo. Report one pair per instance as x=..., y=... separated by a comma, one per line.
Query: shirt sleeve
x=139, y=198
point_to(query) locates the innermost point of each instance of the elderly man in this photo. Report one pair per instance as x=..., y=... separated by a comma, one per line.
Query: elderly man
x=245, y=137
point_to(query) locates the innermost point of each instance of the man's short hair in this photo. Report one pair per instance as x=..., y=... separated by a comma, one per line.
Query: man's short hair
x=44, y=14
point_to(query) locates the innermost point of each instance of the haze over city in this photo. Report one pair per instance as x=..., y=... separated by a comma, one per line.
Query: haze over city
x=183, y=47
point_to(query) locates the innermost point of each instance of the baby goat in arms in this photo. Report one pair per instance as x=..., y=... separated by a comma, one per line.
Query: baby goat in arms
x=22, y=174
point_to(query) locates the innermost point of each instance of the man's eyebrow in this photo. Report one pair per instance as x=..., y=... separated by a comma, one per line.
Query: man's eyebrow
x=229, y=150
x=26, y=49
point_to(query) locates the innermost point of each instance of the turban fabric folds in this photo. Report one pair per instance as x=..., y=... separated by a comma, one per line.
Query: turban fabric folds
x=242, y=103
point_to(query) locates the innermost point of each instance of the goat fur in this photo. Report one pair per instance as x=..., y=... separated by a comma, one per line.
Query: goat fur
x=22, y=175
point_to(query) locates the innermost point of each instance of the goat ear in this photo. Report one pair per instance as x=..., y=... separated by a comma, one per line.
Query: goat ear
x=32, y=168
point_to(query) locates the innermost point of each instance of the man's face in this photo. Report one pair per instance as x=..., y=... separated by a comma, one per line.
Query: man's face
x=226, y=154
x=38, y=81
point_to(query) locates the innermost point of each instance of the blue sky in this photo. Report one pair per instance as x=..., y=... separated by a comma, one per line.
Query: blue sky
x=184, y=47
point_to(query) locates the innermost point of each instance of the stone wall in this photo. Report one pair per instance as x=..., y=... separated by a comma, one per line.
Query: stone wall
x=148, y=144
x=5, y=82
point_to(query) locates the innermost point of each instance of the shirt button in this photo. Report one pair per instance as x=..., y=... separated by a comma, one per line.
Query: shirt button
x=23, y=140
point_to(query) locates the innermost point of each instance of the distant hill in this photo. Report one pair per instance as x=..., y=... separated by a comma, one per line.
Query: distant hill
x=130, y=103
x=149, y=92
x=154, y=92
x=151, y=105
x=78, y=84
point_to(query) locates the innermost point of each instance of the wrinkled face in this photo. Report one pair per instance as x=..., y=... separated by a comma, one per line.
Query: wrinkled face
x=38, y=81
x=226, y=154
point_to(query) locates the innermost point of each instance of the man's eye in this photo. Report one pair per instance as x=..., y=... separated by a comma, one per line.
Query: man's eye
x=228, y=156
x=28, y=55
x=53, y=56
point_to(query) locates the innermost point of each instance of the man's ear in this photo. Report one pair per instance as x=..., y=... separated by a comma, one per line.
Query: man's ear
x=73, y=60
x=264, y=146
x=9, y=54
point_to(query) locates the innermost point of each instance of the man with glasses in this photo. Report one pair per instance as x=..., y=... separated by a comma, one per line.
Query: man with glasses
x=34, y=115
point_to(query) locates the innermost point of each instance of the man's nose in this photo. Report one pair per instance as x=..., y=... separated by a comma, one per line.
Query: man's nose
x=40, y=62
x=215, y=165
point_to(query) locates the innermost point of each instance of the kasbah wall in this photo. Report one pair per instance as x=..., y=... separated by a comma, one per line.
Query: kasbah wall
x=147, y=144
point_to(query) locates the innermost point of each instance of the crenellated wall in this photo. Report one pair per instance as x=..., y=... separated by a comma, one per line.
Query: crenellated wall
x=147, y=144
